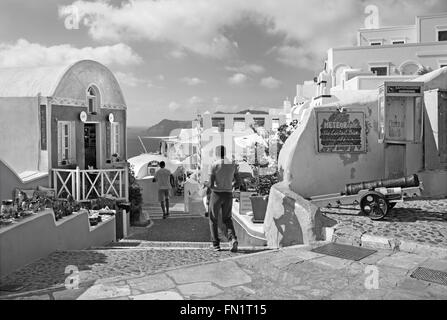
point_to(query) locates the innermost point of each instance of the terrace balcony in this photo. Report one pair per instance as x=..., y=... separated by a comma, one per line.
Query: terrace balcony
x=85, y=185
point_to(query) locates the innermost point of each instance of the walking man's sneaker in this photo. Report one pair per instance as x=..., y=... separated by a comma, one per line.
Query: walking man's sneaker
x=234, y=244
x=216, y=247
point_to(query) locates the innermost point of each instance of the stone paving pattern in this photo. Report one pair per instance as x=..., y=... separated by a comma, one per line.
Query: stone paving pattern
x=421, y=221
x=292, y=273
x=99, y=264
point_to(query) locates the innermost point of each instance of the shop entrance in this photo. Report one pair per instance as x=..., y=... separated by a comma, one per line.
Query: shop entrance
x=90, y=145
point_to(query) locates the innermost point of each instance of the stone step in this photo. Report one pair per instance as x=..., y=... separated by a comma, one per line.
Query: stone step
x=169, y=245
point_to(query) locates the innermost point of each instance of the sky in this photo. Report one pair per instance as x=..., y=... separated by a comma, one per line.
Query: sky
x=174, y=58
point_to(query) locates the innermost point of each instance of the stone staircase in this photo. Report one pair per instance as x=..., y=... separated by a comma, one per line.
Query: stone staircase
x=176, y=210
x=170, y=245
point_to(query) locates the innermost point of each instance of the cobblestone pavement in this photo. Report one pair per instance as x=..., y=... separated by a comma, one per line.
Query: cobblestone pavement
x=99, y=264
x=180, y=229
x=292, y=273
x=421, y=221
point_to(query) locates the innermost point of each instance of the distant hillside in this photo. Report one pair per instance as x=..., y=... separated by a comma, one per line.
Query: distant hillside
x=165, y=127
x=244, y=112
x=162, y=129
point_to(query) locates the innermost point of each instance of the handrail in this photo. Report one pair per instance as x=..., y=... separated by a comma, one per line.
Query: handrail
x=87, y=184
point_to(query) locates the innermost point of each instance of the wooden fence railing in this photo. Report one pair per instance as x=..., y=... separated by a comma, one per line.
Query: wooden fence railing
x=85, y=185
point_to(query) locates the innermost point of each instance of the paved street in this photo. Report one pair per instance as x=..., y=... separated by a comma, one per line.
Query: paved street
x=292, y=273
x=144, y=267
x=100, y=264
x=421, y=221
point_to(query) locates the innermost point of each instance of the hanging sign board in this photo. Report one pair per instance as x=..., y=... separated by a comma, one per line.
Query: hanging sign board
x=400, y=112
x=341, y=132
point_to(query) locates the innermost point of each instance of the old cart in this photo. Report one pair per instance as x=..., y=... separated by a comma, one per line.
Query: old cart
x=376, y=198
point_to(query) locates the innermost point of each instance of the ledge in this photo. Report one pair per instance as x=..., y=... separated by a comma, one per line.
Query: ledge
x=255, y=230
x=39, y=235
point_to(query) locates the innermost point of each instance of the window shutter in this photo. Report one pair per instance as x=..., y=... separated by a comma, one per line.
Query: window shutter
x=59, y=142
x=108, y=141
x=117, y=139
x=72, y=141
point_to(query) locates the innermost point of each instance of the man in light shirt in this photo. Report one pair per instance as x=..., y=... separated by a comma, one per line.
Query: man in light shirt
x=223, y=173
x=163, y=179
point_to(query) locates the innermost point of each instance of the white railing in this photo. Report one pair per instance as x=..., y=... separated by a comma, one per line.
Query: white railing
x=85, y=185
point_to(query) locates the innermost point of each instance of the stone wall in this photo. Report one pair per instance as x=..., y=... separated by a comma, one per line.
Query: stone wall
x=292, y=220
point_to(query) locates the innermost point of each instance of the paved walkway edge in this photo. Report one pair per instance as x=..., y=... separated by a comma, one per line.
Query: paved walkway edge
x=379, y=242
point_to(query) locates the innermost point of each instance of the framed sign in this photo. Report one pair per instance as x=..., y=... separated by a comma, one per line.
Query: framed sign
x=341, y=132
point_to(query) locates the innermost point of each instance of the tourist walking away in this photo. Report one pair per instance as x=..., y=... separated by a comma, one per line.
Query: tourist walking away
x=163, y=179
x=224, y=177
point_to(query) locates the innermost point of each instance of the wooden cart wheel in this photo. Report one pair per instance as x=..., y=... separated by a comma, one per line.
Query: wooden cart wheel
x=374, y=205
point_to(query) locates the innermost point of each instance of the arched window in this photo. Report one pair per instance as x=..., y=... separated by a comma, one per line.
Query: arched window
x=93, y=99
x=409, y=68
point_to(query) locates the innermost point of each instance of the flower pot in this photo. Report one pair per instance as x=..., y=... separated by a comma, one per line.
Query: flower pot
x=259, y=206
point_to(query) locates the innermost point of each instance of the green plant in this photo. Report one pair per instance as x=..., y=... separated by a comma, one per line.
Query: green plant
x=423, y=70
x=135, y=196
x=265, y=183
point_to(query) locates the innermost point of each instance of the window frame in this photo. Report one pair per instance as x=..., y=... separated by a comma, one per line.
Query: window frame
x=384, y=66
x=66, y=148
x=43, y=111
x=374, y=43
x=95, y=97
x=402, y=41
x=440, y=29
x=115, y=139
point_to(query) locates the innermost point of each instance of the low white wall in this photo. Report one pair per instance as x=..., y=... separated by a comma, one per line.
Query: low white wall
x=149, y=190
x=40, y=235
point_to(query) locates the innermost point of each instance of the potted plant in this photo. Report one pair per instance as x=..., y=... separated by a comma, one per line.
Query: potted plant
x=259, y=202
x=135, y=198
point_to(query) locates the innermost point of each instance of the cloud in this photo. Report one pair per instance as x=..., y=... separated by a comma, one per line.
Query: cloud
x=173, y=106
x=195, y=101
x=128, y=79
x=26, y=54
x=247, y=68
x=177, y=54
x=195, y=26
x=308, y=28
x=238, y=79
x=192, y=81
x=131, y=80
x=270, y=83
x=228, y=108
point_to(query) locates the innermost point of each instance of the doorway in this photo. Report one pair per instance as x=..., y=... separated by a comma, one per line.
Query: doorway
x=90, y=141
x=395, y=155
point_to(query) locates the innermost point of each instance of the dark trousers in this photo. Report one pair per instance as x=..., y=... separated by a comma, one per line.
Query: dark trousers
x=221, y=202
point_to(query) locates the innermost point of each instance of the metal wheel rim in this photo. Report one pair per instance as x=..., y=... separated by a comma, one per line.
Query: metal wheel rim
x=376, y=207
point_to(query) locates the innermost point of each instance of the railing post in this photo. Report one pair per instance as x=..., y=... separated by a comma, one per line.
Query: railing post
x=83, y=186
x=78, y=185
x=55, y=181
x=126, y=183
x=73, y=184
x=102, y=173
x=121, y=183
